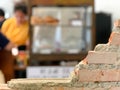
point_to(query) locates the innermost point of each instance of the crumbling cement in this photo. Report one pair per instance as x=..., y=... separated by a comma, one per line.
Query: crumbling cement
x=73, y=80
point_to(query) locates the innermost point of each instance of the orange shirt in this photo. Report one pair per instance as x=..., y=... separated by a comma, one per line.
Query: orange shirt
x=18, y=34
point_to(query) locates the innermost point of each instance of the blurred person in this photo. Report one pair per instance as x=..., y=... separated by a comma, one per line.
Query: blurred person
x=2, y=17
x=5, y=43
x=16, y=29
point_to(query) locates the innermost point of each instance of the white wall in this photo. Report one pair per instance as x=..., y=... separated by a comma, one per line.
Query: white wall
x=7, y=6
x=109, y=6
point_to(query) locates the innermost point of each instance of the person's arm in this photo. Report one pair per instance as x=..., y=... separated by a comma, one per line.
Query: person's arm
x=5, y=43
x=9, y=46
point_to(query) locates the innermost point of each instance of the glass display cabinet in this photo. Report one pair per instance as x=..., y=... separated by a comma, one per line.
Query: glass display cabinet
x=61, y=29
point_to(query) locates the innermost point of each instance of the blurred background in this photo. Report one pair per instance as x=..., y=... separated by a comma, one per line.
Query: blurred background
x=60, y=33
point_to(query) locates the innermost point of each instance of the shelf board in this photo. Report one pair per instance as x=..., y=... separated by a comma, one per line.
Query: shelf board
x=62, y=2
x=58, y=57
x=67, y=26
x=58, y=25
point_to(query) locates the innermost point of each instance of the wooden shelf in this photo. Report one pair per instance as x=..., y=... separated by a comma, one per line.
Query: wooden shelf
x=58, y=57
x=62, y=2
x=66, y=3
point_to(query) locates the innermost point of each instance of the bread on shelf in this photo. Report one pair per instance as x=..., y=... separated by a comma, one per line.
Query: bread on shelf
x=48, y=20
x=35, y=20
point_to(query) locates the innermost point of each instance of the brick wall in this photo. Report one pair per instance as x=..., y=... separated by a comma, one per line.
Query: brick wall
x=100, y=72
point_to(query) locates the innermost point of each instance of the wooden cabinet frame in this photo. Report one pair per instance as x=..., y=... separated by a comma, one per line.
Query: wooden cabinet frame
x=53, y=57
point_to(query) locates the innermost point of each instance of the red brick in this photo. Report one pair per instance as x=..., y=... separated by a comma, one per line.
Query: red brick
x=84, y=88
x=101, y=57
x=99, y=75
x=70, y=88
x=115, y=88
x=115, y=38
